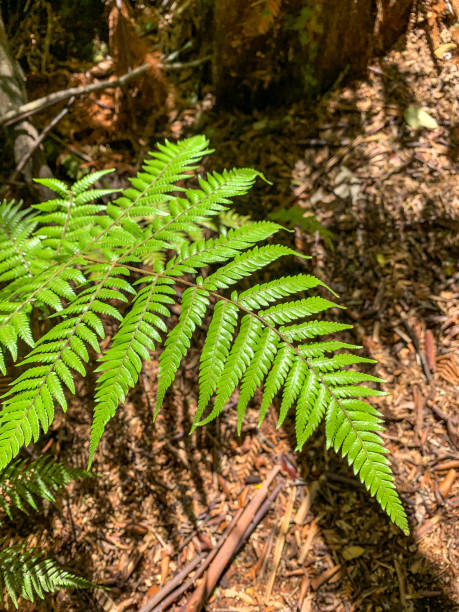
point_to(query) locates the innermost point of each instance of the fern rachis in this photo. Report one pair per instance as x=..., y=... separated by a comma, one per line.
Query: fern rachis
x=263, y=336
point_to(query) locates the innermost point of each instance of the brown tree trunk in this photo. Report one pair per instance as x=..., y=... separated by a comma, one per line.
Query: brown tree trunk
x=272, y=50
x=22, y=136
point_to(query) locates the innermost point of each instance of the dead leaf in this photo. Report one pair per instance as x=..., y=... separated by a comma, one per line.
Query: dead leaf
x=352, y=552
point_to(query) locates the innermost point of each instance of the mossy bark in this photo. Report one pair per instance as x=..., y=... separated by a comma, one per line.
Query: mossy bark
x=284, y=49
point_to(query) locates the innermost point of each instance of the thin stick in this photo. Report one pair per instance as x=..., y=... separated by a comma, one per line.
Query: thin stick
x=279, y=546
x=52, y=124
x=259, y=516
x=170, y=586
x=174, y=582
x=227, y=550
x=59, y=96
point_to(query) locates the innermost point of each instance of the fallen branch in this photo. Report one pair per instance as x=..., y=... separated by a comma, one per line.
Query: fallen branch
x=279, y=546
x=229, y=547
x=51, y=125
x=172, y=584
x=259, y=516
x=159, y=602
x=31, y=108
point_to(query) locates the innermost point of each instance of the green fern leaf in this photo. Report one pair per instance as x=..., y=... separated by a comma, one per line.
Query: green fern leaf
x=263, y=295
x=202, y=253
x=264, y=355
x=193, y=309
x=81, y=259
x=285, y=313
x=122, y=362
x=239, y=359
x=311, y=407
x=352, y=429
x=292, y=388
x=22, y=483
x=276, y=378
x=29, y=574
x=215, y=352
x=244, y=265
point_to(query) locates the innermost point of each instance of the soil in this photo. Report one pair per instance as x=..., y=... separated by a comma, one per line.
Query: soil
x=389, y=194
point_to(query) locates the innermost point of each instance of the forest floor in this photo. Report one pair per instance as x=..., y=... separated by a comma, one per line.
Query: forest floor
x=389, y=195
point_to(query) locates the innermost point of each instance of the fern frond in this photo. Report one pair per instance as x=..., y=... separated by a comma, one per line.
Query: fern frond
x=239, y=359
x=30, y=401
x=215, y=352
x=205, y=252
x=89, y=256
x=17, y=250
x=187, y=214
x=16, y=244
x=259, y=366
x=263, y=295
x=23, y=482
x=276, y=378
x=29, y=574
x=285, y=313
x=158, y=179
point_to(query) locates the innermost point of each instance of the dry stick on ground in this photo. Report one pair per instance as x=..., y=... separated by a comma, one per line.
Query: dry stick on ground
x=155, y=601
x=256, y=520
x=279, y=546
x=417, y=347
x=176, y=581
x=26, y=110
x=259, y=516
x=231, y=544
x=311, y=532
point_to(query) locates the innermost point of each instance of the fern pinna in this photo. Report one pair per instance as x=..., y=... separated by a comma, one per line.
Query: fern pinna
x=25, y=571
x=78, y=258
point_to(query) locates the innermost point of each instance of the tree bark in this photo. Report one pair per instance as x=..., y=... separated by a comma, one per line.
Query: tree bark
x=21, y=137
x=274, y=50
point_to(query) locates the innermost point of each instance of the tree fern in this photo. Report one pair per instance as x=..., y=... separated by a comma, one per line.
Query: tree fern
x=92, y=258
x=26, y=571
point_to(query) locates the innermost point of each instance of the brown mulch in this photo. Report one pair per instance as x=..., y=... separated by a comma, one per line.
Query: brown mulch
x=390, y=196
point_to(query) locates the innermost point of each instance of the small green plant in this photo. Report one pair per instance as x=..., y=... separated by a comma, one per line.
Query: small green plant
x=295, y=216
x=83, y=261
x=25, y=571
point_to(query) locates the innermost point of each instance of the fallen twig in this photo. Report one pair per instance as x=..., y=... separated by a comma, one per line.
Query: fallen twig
x=159, y=601
x=229, y=547
x=259, y=516
x=279, y=546
x=325, y=577
x=26, y=110
x=417, y=347
x=451, y=422
x=172, y=584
